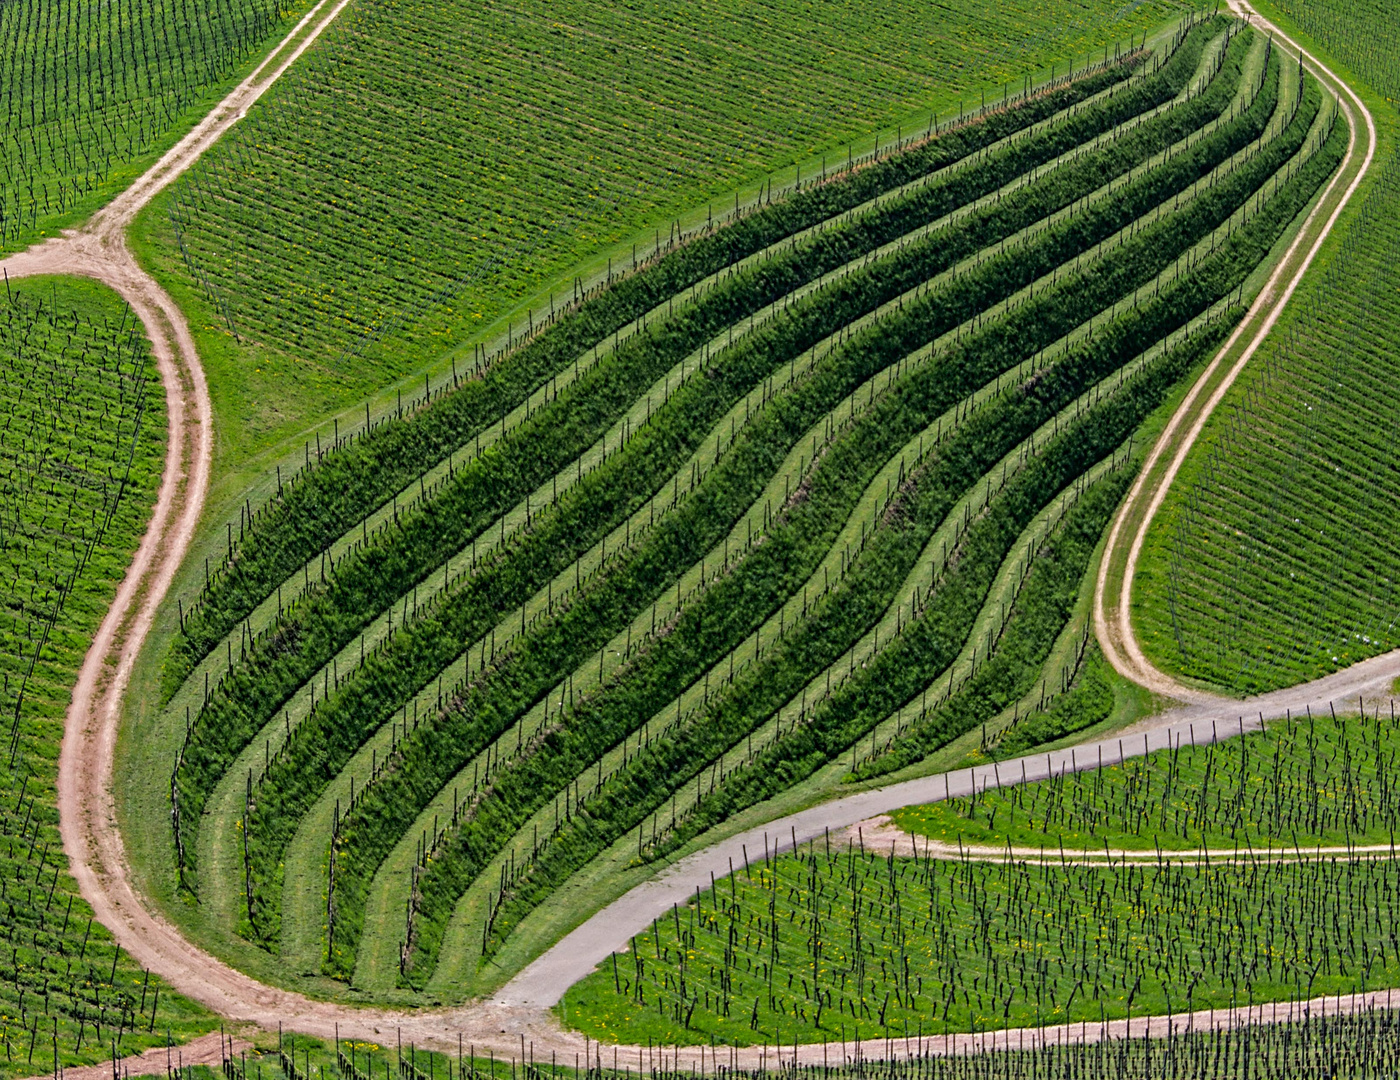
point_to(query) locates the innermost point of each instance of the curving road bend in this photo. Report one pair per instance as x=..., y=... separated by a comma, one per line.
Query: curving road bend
x=521, y=1011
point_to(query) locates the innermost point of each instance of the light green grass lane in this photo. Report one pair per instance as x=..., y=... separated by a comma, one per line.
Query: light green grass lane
x=254, y=754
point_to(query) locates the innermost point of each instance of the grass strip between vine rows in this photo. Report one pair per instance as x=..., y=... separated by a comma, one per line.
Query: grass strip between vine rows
x=925, y=648
x=903, y=669
x=1088, y=701
x=328, y=617
x=1038, y=618
x=253, y=694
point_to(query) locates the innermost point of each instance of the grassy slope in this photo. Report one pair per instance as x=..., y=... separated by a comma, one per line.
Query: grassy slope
x=1260, y=604
x=968, y=744
x=1130, y=704
x=269, y=391
x=611, y=875
x=587, y=880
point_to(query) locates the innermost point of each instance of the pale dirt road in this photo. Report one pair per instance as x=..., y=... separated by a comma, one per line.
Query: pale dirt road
x=206, y=1050
x=881, y=836
x=542, y=983
x=1113, y=622
x=519, y=1016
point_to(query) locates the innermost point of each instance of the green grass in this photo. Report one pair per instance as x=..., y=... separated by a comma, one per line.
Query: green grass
x=92, y=92
x=341, y=262
x=629, y=707
x=845, y=713
x=1270, y=563
x=84, y=428
x=1084, y=699
x=1363, y=36
x=1303, y=782
x=562, y=530
x=829, y=945
x=900, y=417
x=361, y=473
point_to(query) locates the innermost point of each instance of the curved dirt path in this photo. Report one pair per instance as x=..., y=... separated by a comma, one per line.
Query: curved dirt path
x=520, y=1014
x=881, y=836
x=208, y=1050
x=1113, y=621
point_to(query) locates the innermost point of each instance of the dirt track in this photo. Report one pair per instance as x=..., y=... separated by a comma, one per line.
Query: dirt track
x=94, y=844
x=206, y=1050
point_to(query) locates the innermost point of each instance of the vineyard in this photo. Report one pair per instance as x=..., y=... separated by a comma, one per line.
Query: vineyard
x=1271, y=562
x=797, y=500
x=82, y=442
x=362, y=223
x=1024, y=906
x=1301, y=782
x=92, y=90
x=829, y=945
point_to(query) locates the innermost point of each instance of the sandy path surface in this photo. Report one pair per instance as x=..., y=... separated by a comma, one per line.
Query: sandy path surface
x=519, y=1015
x=206, y=1050
x=1113, y=624
x=881, y=836
x=542, y=983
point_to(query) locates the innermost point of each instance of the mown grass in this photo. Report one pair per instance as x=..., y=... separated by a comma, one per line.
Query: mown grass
x=951, y=374
x=343, y=668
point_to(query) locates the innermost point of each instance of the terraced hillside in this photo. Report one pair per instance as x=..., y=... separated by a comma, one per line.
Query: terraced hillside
x=364, y=223
x=90, y=91
x=1272, y=561
x=82, y=431
x=479, y=667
